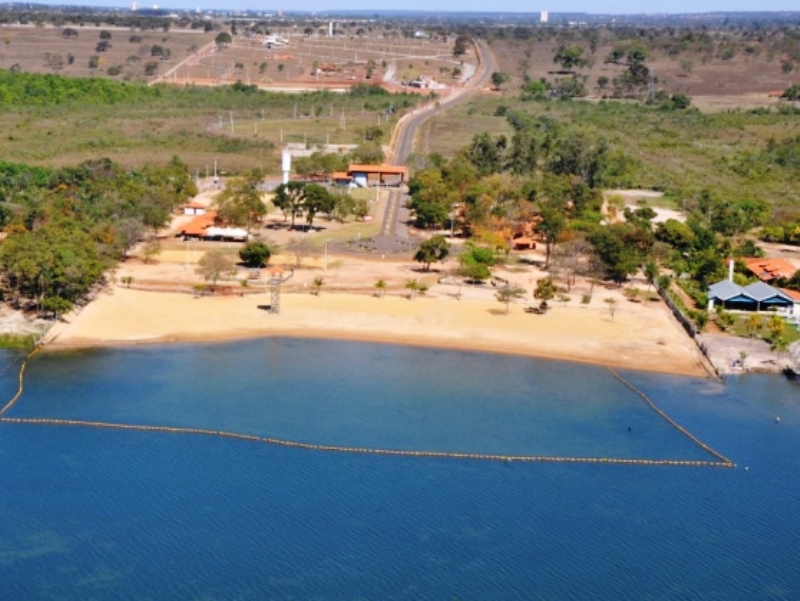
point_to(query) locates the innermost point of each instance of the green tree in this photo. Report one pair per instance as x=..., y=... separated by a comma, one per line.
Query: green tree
x=569, y=57
x=317, y=200
x=56, y=305
x=381, y=286
x=413, y=287
x=545, y=290
x=432, y=250
x=241, y=203
x=318, y=283
x=215, y=265
x=223, y=39
x=255, y=254
x=499, y=79
x=461, y=44
x=289, y=198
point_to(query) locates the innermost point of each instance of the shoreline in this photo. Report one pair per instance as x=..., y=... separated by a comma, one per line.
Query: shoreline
x=130, y=318
x=179, y=340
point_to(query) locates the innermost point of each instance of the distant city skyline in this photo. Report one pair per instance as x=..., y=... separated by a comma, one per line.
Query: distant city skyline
x=445, y=6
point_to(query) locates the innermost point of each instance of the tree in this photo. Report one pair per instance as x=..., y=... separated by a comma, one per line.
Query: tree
x=318, y=283
x=216, y=264
x=255, y=254
x=499, y=78
x=475, y=262
x=554, y=221
x=223, y=39
x=69, y=32
x=56, y=305
x=129, y=232
x=289, y=199
x=509, y=293
x=545, y=291
x=432, y=250
x=412, y=286
x=317, y=199
x=753, y=324
x=569, y=57
x=241, y=202
x=621, y=247
x=301, y=248
x=105, y=35
x=612, y=306
x=461, y=44
x=776, y=326
x=381, y=286
x=651, y=273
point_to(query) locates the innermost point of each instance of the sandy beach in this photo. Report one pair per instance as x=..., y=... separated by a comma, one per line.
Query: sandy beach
x=646, y=339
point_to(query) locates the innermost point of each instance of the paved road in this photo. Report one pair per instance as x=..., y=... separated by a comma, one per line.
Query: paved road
x=408, y=128
x=394, y=237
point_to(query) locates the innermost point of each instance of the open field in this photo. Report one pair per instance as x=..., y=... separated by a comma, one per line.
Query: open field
x=46, y=50
x=194, y=123
x=338, y=62
x=749, y=75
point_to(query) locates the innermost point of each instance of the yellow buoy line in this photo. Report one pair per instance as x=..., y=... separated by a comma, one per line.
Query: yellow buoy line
x=358, y=450
x=21, y=380
x=724, y=461
x=672, y=422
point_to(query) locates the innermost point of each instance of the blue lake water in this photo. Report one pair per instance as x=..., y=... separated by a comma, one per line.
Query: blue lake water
x=100, y=514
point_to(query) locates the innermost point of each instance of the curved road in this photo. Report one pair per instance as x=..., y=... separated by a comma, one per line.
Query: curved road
x=407, y=129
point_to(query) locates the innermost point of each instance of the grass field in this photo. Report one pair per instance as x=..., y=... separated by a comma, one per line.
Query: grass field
x=194, y=124
x=678, y=152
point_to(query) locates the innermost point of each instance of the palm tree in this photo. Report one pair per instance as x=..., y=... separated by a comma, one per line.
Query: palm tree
x=412, y=286
x=318, y=284
x=381, y=285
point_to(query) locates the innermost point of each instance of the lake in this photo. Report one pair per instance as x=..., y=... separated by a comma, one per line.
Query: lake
x=105, y=514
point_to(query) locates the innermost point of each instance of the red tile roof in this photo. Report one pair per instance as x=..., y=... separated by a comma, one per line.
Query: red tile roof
x=382, y=169
x=793, y=294
x=770, y=269
x=199, y=225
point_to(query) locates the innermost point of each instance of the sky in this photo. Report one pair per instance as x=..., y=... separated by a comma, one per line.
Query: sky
x=588, y=6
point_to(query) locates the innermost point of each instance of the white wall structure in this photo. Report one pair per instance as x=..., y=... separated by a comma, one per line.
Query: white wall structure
x=544, y=16
x=286, y=165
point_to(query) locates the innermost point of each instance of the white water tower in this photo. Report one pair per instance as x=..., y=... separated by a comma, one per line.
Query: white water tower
x=286, y=164
x=544, y=16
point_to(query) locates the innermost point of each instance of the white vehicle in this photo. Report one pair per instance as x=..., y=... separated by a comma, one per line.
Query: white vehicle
x=272, y=41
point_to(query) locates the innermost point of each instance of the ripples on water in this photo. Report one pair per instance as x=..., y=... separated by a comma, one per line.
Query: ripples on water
x=107, y=514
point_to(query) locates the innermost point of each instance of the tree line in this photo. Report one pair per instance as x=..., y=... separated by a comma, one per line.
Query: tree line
x=65, y=227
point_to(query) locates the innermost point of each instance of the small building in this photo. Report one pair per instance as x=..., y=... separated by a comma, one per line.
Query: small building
x=755, y=297
x=194, y=208
x=378, y=175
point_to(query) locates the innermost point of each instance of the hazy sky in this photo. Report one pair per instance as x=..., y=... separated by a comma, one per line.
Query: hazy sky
x=608, y=6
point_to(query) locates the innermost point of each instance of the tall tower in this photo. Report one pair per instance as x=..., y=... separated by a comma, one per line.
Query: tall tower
x=544, y=16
